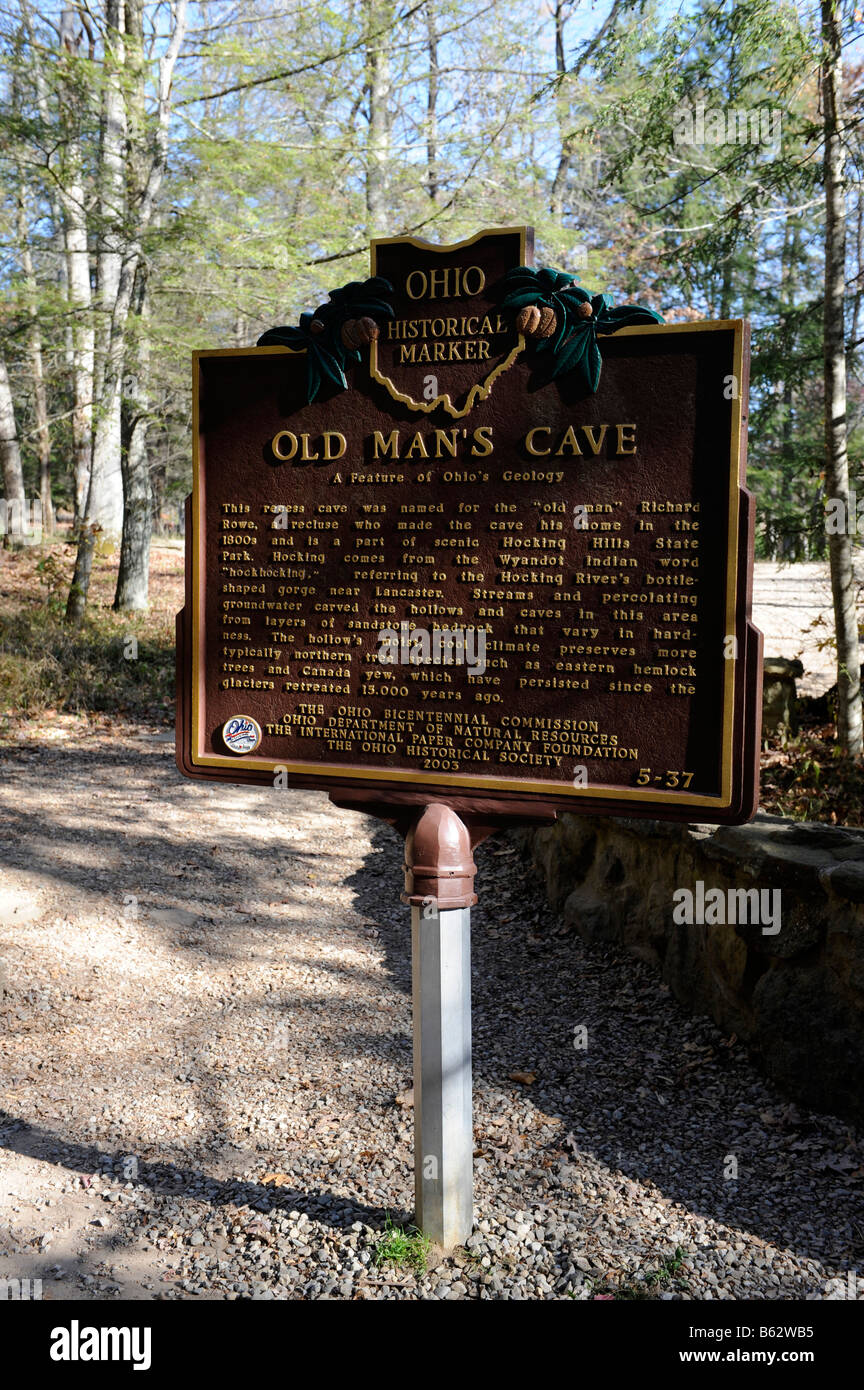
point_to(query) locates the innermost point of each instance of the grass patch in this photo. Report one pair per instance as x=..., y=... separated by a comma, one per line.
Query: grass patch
x=403, y=1245
x=114, y=663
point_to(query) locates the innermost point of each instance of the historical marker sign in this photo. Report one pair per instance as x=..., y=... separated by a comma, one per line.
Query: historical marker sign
x=460, y=578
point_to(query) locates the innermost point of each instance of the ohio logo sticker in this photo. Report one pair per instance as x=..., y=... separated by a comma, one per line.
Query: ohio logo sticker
x=241, y=734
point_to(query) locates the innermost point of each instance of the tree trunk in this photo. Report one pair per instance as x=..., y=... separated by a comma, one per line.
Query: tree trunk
x=379, y=20
x=133, y=579
x=432, y=177
x=37, y=371
x=157, y=488
x=107, y=506
x=13, y=516
x=859, y=271
x=140, y=219
x=849, y=728
x=726, y=288
x=78, y=278
x=565, y=158
x=73, y=202
x=62, y=274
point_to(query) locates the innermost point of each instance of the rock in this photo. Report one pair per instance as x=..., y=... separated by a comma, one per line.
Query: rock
x=779, y=694
x=616, y=879
x=846, y=880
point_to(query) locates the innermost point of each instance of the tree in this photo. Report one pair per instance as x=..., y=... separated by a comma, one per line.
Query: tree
x=73, y=86
x=14, y=496
x=126, y=225
x=843, y=586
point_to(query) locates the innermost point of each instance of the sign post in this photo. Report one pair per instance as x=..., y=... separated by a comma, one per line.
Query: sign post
x=439, y=885
x=443, y=1133
x=466, y=548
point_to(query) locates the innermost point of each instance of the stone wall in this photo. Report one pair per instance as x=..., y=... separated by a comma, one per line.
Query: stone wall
x=798, y=996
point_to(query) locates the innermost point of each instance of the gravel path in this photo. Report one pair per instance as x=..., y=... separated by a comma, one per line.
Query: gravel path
x=206, y=1073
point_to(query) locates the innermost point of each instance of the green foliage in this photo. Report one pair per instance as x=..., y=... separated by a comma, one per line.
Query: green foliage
x=572, y=348
x=807, y=778
x=44, y=665
x=403, y=1245
x=319, y=333
x=720, y=221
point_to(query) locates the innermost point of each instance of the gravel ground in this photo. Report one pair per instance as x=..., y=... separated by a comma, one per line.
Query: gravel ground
x=207, y=1069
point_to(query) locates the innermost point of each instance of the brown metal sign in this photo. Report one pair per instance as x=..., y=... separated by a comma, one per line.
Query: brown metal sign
x=463, y=578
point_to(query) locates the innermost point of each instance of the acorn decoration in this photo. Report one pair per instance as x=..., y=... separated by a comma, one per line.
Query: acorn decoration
x=357, y=333
x=536, y=322
x=333, y=336
x=562, y=321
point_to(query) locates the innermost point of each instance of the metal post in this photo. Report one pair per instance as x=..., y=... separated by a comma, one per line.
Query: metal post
x=443, y=1130
x=439, y=885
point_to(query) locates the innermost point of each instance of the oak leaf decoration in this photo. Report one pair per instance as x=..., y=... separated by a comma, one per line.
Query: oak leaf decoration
x=562, y=320
x=334, y=334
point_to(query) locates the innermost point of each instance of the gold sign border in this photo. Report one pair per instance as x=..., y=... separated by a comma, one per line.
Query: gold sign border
x=460, y=781
x=481, y=390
